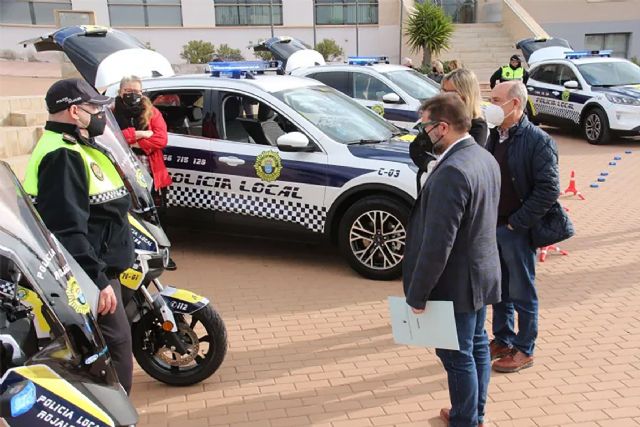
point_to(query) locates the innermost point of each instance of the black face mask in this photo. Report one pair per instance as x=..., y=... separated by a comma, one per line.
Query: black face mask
x=421, y=150
x=130, y=104
x=132, y=99
x=97, y=124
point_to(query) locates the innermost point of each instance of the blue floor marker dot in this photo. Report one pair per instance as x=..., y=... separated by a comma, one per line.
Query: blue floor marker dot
x=617, y=158
x=628, y=152
x=594, y=185
x=612, y=163
x=604, y=173
x=602, y=179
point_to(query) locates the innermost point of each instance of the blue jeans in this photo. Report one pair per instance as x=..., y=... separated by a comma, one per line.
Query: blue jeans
x=518, y=263
x=468, y=370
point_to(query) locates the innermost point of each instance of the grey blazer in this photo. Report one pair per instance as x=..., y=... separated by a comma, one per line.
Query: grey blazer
x=451, y=253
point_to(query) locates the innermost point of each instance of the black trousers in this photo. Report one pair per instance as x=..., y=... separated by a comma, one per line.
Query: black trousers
x=117, y=333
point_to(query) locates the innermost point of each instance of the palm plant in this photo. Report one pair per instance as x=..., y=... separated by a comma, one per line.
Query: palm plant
x=428, y=29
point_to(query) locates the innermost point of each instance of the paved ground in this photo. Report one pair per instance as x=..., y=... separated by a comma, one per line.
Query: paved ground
x=310, y=342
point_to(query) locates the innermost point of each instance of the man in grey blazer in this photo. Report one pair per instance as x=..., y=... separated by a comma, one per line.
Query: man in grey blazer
x=451, y=252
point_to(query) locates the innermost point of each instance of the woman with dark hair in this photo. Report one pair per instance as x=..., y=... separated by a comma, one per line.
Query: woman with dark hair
x=145, y=130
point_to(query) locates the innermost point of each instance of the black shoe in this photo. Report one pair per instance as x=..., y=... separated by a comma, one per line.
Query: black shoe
x=171, y=266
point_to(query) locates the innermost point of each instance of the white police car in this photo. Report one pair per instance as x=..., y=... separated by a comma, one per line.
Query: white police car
x=394, y=91
x=584, y=88
x=285, y=149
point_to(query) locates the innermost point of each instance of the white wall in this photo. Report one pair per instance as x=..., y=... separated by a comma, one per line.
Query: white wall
x=98, y=6
x=198, y=13
x=296, y=13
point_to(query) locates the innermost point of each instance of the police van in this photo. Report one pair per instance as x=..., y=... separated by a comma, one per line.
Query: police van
x=283, y=149
x=587, y=89
x=393, y=91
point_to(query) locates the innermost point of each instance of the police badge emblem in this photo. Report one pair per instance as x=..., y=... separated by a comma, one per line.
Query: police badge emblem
x=565, y=95
x=75, y=297
x=378, y=109
x=268, y=165
x=97, y=171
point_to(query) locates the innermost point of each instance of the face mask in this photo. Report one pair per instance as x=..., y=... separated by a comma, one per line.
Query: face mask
x=97, y=123
x=132, y=99
x=494, y=115
x=506, y=114
x=435, y=143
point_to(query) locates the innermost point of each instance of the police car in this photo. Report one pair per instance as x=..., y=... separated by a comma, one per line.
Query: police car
x=394, y=91
x=589, y=89
x=285, y=149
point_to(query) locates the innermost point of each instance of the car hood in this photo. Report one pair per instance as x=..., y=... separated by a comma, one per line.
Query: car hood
x=390, y=151
x=632, y=91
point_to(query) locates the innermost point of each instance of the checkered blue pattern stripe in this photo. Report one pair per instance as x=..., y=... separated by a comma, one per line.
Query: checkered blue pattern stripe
x=555, y=111
x=309, y=216
x=107, y=196
x=6, y=287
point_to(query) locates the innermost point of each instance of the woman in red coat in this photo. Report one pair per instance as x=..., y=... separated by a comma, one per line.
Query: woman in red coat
x=144, y=129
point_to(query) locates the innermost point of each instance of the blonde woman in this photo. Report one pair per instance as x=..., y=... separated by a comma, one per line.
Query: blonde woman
x=465, y=83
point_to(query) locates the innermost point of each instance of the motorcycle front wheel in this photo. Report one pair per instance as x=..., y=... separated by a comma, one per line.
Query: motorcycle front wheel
x=203, y=334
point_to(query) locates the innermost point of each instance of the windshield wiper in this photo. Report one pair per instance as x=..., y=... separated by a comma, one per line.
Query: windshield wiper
x=366, y=141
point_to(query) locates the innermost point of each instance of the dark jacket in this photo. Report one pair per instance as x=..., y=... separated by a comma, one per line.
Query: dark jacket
x=451, y=253
x=532, y=157
x=98, y=236
x=479, y=131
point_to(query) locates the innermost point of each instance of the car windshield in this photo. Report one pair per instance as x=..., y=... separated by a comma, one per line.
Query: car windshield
x=337, y=115
x=610, y=73
x=415, y=84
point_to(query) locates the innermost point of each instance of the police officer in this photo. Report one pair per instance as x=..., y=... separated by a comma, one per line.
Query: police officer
x=513, y=71
x=83, y=201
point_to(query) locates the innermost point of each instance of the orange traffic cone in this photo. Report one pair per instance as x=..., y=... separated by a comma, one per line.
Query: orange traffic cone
x=545, y=250
x=572, y=187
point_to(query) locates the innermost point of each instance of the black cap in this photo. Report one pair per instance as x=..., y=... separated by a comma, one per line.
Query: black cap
x=516, y=57
x=65, y=93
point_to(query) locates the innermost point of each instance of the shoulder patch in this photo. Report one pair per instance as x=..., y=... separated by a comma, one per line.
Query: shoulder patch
x=69, y=139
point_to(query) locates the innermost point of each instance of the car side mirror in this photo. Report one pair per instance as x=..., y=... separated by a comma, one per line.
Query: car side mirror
x=391, y=98
x=571, y=84
x=293, y=141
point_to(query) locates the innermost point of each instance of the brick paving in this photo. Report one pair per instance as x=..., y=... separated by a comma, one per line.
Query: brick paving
x=310, y=342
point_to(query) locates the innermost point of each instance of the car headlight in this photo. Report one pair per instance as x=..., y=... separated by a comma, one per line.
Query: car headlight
x=165, y=257
x=623, y=100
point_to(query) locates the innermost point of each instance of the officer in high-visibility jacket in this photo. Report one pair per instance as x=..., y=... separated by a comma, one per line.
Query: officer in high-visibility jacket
x=84, y=203
x=513, y=71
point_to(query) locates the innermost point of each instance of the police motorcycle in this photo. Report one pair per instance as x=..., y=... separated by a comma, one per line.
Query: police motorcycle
x=178, y=337
x=65, y=378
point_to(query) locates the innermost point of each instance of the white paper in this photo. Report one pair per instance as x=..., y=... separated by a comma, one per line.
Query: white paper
x=435, y=328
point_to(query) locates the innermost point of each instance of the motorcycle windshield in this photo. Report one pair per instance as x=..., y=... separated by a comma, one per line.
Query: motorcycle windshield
x=135, y=177
x=62, y=286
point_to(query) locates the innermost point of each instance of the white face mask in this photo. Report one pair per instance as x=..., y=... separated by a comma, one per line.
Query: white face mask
x=493, y=114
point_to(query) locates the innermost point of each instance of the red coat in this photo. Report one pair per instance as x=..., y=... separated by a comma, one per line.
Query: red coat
x=153, y=147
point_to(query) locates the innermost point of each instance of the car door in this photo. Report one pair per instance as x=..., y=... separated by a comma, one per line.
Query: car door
x=369, y=91
x=572, y=99
x=544, y=93
x=248, y=174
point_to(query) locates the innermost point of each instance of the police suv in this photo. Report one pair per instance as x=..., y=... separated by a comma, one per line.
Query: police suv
x=393, y=91
x=589, y=89
x=286, y=149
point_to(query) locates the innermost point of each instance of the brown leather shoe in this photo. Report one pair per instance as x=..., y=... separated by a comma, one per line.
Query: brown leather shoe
x=444, y=416
x=498, y=350
x=514, y=362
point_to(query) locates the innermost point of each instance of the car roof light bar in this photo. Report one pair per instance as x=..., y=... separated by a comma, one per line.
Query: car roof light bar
x=238, y=69
x=587, y=53
x=367, y=60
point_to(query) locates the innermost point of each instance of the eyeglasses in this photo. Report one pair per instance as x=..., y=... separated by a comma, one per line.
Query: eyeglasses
x=97, y=109
x=129, y=90
x=422, y=126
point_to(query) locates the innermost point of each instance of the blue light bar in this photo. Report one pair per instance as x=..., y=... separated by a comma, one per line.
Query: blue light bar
x=239, y=68
x=367, y=60
x=24, y=399
x=587, y=53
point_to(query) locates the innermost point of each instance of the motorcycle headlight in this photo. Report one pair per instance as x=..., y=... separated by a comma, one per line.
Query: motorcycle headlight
x=622, y=100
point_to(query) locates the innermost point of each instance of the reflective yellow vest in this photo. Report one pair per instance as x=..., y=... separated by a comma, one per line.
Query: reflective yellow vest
x=509, y=73
x=105, y=183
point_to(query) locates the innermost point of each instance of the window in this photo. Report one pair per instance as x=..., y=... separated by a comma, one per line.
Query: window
x=343, y=12
x=565, y=74
x=617, y=42
x=369, y=88
x=182, y=111
x=31, y=12
x=247, y=12
x=145, y=13
x=248, y=120
x=546, y=74
x=338, y=80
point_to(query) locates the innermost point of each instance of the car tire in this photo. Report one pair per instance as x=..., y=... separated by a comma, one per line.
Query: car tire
x=595, y=127
x=372, y=236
